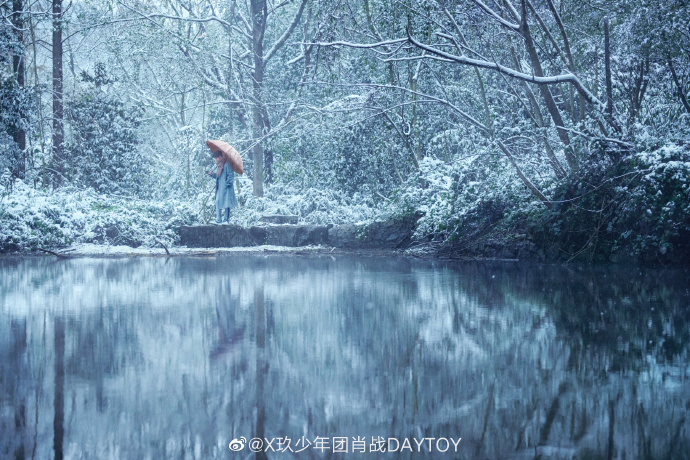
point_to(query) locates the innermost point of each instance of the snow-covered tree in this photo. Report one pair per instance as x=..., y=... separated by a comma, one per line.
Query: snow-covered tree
x=15, y=103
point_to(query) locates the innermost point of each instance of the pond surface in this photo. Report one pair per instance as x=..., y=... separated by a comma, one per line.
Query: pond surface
x=315, y=356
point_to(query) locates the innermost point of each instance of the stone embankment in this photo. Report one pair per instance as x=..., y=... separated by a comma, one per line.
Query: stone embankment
x=284, y=231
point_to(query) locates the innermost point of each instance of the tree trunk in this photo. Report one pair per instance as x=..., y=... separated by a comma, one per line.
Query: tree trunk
x=259, y=12
x=414, y=126
x=58, y=128
x=638, y=91
x=19, y=134
x=545, y=91
x=679, y=87
x=539, y=121
x=607, y=65
x=268, y=153
x=39, y=112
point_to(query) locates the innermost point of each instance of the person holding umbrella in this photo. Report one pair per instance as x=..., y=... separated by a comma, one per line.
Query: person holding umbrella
x=225, y=190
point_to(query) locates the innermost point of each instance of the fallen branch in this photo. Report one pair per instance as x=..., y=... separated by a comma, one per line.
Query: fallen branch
x=62, y=256
x=166, y=249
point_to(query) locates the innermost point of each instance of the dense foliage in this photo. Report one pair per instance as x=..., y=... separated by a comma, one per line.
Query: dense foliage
x=103, y=153
x=16, y=105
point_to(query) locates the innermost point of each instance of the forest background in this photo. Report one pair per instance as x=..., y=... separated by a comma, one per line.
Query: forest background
x=551, y=129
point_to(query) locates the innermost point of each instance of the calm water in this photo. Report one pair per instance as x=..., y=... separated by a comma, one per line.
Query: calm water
x=154, y=358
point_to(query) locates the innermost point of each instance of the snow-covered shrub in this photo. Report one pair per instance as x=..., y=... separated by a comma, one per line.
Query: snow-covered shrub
x=434, y=197
x=311, y=205
x=638, y=206
x=5, y=183
x=657, y=215
x=103, y=153
x=31, y=219
x=461, y=198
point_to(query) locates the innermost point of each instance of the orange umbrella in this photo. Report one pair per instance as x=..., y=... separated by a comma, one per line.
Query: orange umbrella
x=229, y=153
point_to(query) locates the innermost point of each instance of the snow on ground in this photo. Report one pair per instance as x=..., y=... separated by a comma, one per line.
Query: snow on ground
x=98, y=250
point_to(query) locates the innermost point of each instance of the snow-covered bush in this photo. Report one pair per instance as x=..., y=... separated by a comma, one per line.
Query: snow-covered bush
x=311, y=205
x=637, y=206
x=103, y=153
x=180, y=171
x=364, y=160
x=462, y=198
x=31, y=219
x=657, y=216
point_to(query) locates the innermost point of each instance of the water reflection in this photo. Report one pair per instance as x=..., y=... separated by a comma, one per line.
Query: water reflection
x=154, y=358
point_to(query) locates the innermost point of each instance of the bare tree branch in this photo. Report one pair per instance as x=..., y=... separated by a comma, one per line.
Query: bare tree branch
x=359, y=45
x=564, y=36
x=679, y=87
x=533, y=188
x=281, y=41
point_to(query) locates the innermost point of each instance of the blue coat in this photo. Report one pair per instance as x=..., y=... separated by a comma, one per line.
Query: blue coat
x=225, y=189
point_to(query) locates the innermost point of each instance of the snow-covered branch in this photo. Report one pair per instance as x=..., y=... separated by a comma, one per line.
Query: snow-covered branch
x=152, y=16
x=359, y=45
x=551, y=80
x=497, y=17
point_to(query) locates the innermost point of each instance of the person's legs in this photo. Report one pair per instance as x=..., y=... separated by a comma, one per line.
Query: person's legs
x=219, y=215
x=227, y=215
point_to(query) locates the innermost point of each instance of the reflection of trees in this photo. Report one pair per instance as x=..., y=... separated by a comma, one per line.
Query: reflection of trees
x=617, y=382
x=104, y=344
x=261, y=366
x=14, y=390
x=518, y=361
x=364, y=349
x=230, y=332
x=521, y=362
x=631, y=315
x=631, y=312
x=59, y=399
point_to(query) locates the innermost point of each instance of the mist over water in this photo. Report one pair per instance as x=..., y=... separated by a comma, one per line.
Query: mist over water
x=182, y=357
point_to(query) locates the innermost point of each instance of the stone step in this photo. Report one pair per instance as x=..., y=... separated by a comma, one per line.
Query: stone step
x=227, y=236
x=392, y=234
x=279, y=219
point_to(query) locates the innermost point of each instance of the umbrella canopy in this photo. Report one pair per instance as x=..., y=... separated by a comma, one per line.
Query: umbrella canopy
x=229, y=153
